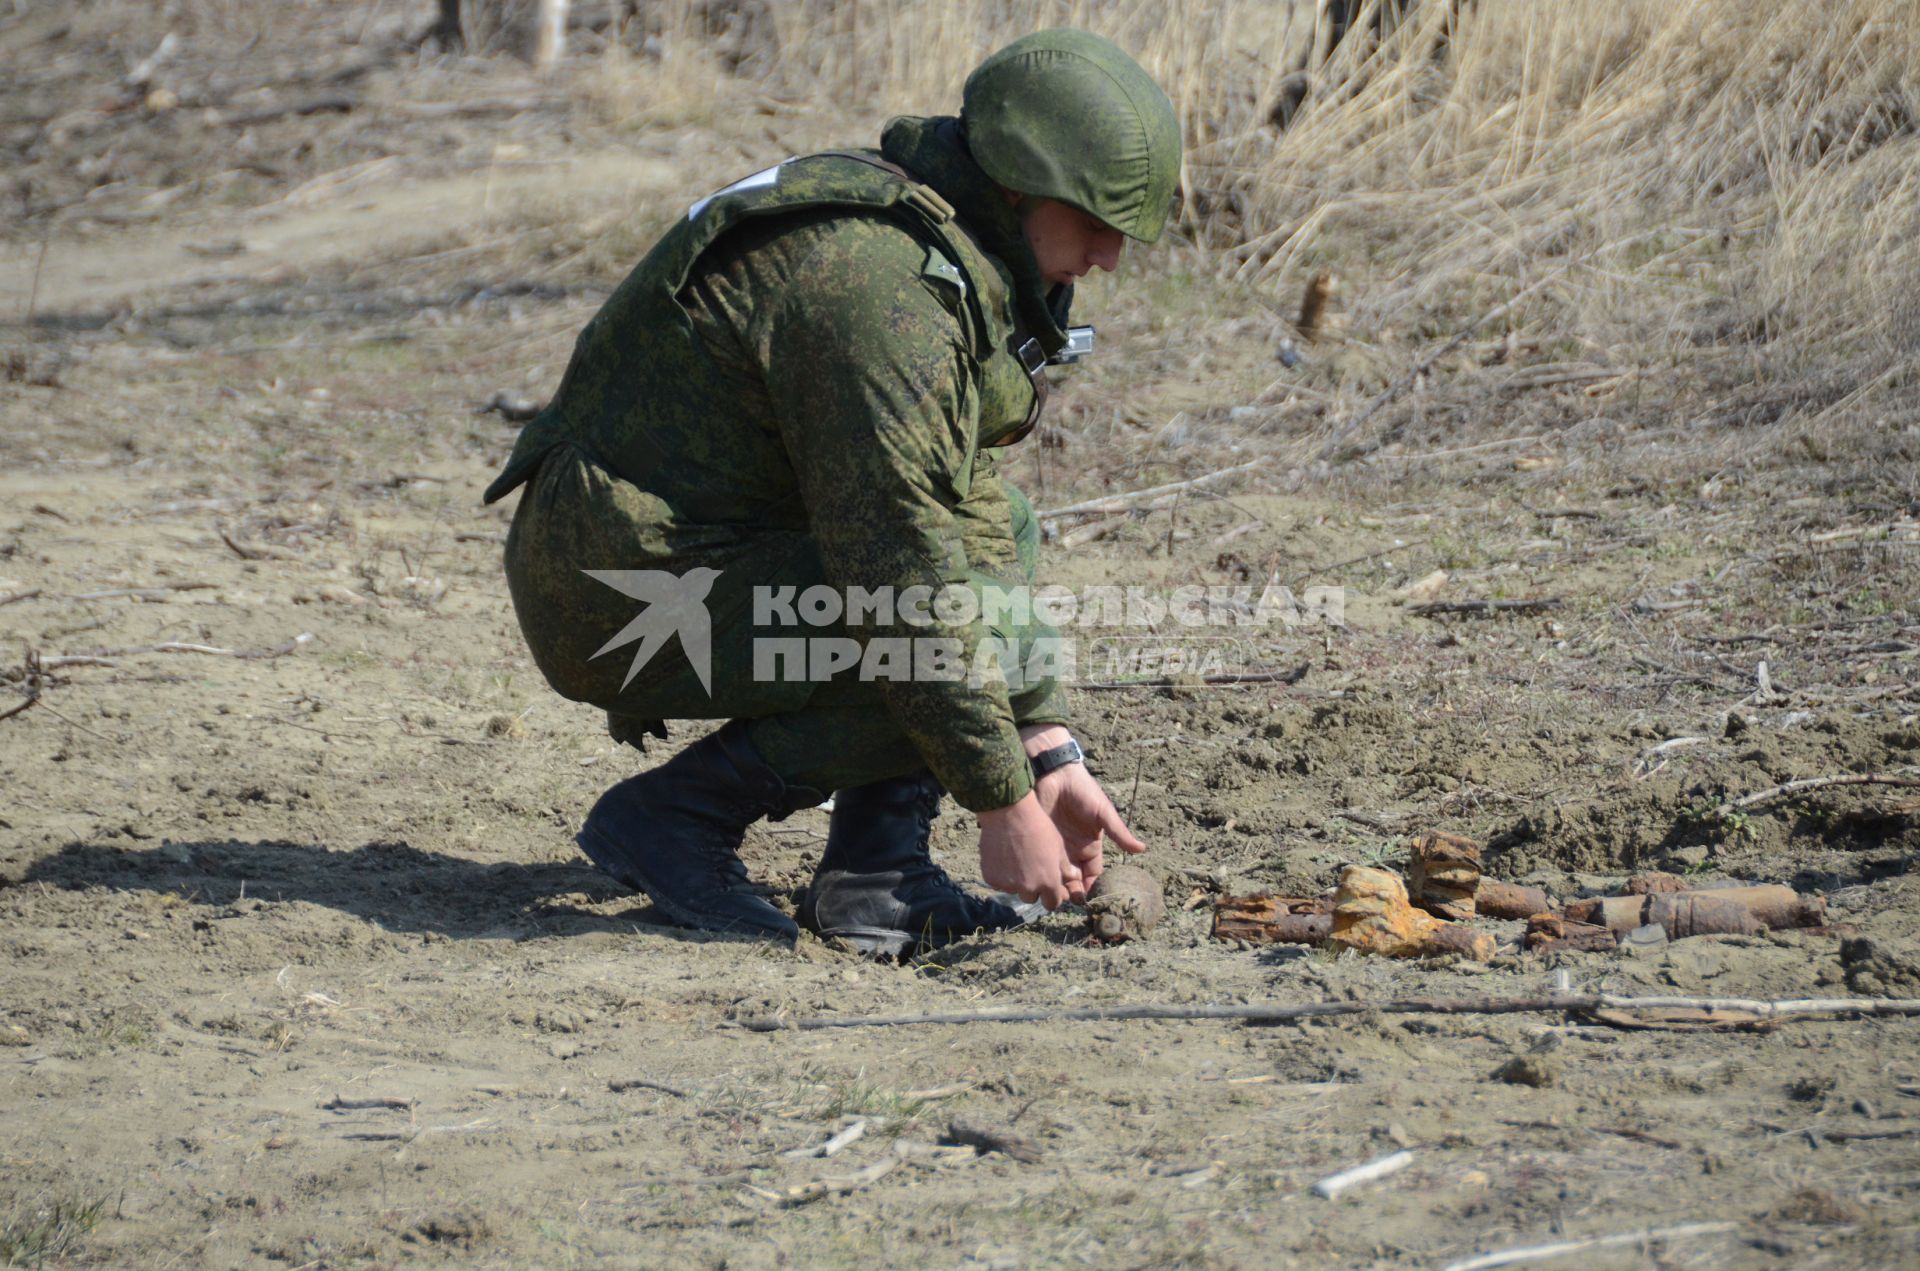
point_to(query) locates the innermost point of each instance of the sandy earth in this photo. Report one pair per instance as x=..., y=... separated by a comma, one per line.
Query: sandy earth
x=237, y=890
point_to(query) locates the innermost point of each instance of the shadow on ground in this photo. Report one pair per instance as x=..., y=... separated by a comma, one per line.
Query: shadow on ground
x=390, y=884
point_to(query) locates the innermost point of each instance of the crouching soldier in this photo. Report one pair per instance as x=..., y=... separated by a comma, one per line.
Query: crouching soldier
x=775, y=443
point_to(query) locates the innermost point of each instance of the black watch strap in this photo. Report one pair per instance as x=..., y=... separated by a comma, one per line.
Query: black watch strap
x=1059, y=757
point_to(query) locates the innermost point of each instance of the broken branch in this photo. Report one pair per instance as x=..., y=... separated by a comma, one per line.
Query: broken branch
x=99, y=657
x=620, y=1085
x=1111, y=502
x=1532, y=1253
x=1333, y=1184
x=1425, y=364
x=1277, y=1012
x=1486, y=606
x=1814, y=783
x=340, y=1103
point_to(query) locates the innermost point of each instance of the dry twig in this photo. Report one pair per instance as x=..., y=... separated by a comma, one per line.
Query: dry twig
x=620, y=1085
x=1333, y=1184
x=1534, y=1253
x=1540, y=605
x=103, y=657
x=1114, y=502
x=340, y=1103
x=1278, y=1012
x=1805, y=784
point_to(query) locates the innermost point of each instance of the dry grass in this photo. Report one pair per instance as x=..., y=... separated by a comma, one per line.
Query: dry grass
x=1727, y=193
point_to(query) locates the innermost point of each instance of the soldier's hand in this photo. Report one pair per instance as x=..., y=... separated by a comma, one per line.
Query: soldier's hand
x=1022, y=852
x=1073, y=800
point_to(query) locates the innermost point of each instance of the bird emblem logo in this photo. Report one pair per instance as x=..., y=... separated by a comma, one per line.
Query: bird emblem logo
x=676, y=605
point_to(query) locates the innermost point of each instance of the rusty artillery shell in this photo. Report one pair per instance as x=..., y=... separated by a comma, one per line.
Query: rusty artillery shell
x=1443, y=874
x=1510, y=900
x=1550, y=933
x=1700, y=913
x=1125, y=904
x=1273, y=919
x=1766, y=906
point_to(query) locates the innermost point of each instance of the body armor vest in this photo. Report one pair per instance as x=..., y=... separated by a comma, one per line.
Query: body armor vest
x=642, y=337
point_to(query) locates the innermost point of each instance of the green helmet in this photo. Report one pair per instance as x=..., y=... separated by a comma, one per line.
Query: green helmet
x=1066, y=115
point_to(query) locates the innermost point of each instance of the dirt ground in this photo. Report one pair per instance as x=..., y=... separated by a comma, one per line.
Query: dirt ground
x=246, y=363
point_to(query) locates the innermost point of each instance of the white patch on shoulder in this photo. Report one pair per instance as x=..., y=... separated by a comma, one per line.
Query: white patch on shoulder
x=756, y=181
x=938, y=266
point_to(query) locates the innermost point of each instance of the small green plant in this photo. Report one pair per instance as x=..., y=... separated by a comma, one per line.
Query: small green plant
x=1719, y=821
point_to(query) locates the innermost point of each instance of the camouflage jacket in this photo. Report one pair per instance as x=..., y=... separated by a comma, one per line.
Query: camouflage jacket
x=799, y=380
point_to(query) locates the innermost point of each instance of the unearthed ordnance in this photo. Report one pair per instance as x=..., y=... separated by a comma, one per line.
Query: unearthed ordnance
x=1712, y=911
x=1125, y=904
x=1371, y=913
x=1550, y=933
x=1443, y=878
x=1443, y=872
x=1509, y=900
x=1700, y=913
x=1273, y=919
x=1658, y=882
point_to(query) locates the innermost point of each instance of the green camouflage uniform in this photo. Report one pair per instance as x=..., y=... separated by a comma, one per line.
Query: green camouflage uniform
x=798, y=386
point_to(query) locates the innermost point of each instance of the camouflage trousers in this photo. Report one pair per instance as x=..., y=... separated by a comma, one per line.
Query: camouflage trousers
x=829, y=735
x=844, y=736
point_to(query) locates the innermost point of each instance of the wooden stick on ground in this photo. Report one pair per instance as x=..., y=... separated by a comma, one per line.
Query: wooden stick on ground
x=157, y=592
x=805, y=1192
x=845, y=1138
x=1487, y=606
x=620, y=1085
x=1815, y=783
x=1533, y=1253
x=1333, y=1184
x=1224, y=679
x=1278, y=1012
x=1111, y=502
x=100, y=657
x=340, y=1103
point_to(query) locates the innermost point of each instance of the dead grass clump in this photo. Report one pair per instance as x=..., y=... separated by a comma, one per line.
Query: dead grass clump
x=1693, y=181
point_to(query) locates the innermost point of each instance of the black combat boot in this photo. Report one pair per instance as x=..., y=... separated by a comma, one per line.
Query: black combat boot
x=877, y=887
x=674, y=832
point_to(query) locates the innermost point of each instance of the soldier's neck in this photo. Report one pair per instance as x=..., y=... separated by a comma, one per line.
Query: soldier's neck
x=935, y=151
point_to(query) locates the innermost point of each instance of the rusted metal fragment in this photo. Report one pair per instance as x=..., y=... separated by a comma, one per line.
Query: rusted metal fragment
x=1705, y=912
x=1273, y=919
x=1371, y=913
x=1552, y=933
x=1496, y=899
x=1443, y=873
x=1656, y=882
x=1700, y=913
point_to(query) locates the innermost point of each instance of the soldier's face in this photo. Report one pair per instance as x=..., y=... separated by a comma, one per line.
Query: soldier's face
x=1067, y=242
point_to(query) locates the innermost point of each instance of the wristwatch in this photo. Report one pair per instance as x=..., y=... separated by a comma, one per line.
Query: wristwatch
x=1059, y=757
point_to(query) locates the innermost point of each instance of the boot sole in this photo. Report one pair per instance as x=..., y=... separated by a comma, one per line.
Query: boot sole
x=601, y=850
x=875, y=942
